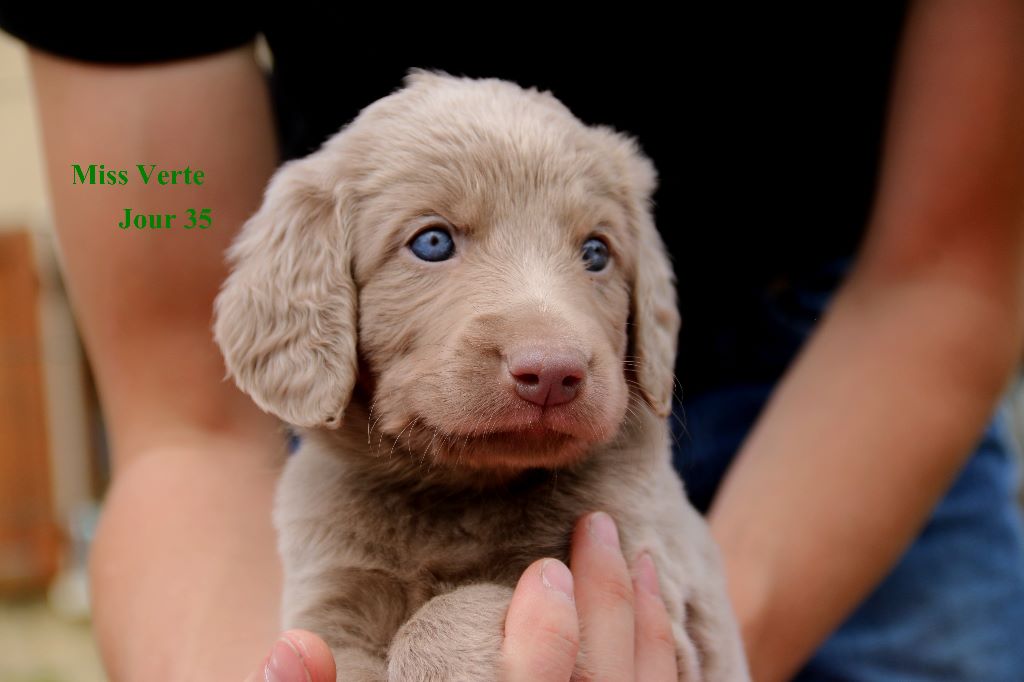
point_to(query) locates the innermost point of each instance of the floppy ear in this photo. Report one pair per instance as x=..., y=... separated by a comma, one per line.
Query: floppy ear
x=655, y=317
x=286, y=315
x=655, y=314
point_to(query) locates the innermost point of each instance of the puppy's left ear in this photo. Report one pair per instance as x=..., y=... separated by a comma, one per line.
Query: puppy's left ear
x=286, y=316
x=655, y=313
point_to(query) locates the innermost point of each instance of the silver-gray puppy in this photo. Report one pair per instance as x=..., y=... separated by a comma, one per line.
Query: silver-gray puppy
x=463, y=305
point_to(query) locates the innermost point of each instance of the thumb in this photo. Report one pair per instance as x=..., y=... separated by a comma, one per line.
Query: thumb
x=297, y=656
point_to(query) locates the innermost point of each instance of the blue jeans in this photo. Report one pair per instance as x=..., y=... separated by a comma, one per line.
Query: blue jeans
x=952, y=609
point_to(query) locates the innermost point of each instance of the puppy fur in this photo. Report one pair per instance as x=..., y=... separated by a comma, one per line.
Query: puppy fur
x=425, y=484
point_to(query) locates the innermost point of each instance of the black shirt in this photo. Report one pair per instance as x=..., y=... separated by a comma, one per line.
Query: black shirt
x=765, y=124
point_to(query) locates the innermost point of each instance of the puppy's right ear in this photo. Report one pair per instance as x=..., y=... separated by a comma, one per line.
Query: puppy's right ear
x=286, y=315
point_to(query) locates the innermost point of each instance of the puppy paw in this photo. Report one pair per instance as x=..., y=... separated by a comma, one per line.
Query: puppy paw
x=454, y=637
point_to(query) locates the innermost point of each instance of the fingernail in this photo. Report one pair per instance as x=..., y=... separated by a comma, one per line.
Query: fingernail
x=285, y=664
x=646, y=575
x=556, y=576
x=603, y=528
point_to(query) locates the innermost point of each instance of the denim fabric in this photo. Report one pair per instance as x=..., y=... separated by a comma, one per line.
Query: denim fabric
x=952, y=610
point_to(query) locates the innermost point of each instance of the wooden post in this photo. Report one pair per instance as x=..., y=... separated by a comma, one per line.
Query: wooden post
x=29, y=536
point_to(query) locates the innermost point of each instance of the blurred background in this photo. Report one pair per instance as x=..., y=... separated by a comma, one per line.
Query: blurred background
x=53, y=460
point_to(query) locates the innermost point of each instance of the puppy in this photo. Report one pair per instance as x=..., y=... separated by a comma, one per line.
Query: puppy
x=463, y=306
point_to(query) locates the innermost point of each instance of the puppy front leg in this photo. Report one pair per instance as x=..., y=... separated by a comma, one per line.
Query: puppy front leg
x=710, y=629
x=355, y=610
x=354, y=660
x=355, y=665
x=454, y=637
x=687, y=658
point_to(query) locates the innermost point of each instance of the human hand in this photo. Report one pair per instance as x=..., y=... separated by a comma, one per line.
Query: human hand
x=627, y=633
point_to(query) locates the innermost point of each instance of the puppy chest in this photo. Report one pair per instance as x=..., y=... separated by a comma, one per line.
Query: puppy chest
x=456, y=541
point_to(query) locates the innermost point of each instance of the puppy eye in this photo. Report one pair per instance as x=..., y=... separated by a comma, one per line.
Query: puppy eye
x=595, y=254
x=433, y=245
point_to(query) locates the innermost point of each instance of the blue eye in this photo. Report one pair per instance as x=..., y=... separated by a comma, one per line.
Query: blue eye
x=433, y=245
x=595, y=254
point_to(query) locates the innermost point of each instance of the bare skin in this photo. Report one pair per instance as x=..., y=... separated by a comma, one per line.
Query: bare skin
x=184, y=573
x=872, y=424
x=185, y=579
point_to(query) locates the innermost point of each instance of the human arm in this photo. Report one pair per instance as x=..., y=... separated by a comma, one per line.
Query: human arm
x=184, y=575
x=876, y=417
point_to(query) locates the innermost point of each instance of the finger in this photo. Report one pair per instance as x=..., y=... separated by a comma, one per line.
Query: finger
x=655, y=645
x=316, y=655
x=604, y=598
x=297, y=656
x=542, y=635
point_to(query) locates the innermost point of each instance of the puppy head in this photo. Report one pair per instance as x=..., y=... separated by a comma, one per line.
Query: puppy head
x=492, y=261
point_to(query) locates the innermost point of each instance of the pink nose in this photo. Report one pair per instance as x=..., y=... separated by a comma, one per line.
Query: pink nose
x=547, y=377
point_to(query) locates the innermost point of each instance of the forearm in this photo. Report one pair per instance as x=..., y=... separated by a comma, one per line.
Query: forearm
x=185, y=576
x=143, y=299
x=184, y=570
x=852, y=453
x=872, y=423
